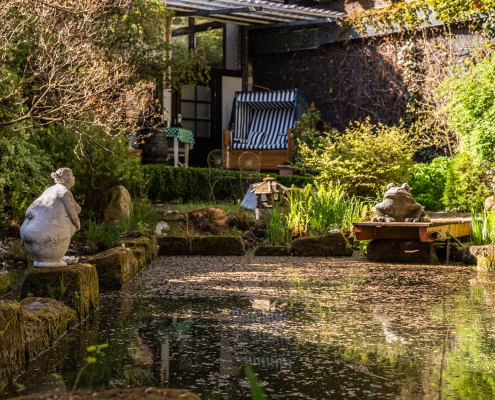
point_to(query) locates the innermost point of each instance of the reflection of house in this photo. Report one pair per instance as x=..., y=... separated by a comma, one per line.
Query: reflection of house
x=204, y=345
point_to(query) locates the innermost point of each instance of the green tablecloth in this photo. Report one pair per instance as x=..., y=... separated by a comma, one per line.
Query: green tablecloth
x=183, y=134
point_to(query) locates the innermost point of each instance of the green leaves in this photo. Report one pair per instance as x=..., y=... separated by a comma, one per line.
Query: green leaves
x=364, y=159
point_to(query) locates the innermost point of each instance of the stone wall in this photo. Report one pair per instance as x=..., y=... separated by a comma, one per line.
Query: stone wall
x=353, y=79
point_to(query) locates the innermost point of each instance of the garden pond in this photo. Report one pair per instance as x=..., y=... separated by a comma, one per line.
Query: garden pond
x=311, y=328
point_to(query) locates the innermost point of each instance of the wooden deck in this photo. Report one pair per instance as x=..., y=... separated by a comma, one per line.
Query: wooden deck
x=431, y=231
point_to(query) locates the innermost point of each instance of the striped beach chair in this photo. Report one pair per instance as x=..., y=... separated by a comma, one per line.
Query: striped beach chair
x=262, y=122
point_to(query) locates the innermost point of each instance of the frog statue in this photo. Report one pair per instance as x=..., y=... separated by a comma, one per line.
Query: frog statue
x=398, y=205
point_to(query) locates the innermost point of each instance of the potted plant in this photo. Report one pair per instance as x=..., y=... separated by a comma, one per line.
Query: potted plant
x=285, y=169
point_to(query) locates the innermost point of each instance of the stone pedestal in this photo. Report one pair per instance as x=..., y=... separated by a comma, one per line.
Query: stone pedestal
x=76, y=286
x=402, y=251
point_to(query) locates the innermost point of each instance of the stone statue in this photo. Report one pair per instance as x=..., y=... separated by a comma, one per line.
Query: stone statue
x=398, y=205
x=51, y=220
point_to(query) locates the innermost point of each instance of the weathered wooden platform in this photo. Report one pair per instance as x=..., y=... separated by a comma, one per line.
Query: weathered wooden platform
x=420, y=231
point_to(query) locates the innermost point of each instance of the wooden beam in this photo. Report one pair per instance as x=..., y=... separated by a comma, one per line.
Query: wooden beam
x=219, y=11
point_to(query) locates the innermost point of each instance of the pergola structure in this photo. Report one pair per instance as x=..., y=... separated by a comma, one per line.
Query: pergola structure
x=252, y=12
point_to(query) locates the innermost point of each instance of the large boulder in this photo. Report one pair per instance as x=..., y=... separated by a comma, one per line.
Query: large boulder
x=332, y=244
x=76, y=286
x=209, y=220
x=12, y=342
x=118, y=203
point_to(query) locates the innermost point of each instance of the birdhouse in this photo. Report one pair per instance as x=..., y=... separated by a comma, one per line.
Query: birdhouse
x=267, y=193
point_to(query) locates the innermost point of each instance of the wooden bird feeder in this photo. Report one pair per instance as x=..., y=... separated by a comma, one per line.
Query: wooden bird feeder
x=267, y=193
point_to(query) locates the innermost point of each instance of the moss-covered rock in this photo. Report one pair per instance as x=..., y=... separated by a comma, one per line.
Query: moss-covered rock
x=333, y=244
x=174, y=246
x=55, y=316
x=485, y=256
x=12, y=342
x=274, y=251
x=5, y=282
x=76, y=286
x=217, y=246
x=122, y=394
x=35, y=334
x=115, y=267
x=147, y=241
x=141, y=256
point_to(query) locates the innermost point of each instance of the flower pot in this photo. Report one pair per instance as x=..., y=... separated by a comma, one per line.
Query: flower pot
x=284, y=170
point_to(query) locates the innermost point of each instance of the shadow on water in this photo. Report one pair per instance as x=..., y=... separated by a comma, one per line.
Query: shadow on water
x=364, y=331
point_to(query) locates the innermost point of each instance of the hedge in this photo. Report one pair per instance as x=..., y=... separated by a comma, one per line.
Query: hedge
x=166, y=184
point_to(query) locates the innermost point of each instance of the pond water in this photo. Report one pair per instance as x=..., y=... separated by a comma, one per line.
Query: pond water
x=310, y=328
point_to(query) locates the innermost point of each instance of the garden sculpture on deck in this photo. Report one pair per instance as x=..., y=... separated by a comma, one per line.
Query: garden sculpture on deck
x=50, y=222
x=398, y=205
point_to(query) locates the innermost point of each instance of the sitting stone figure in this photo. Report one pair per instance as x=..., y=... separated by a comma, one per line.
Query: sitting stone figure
x=398, y=205
x=51, y=221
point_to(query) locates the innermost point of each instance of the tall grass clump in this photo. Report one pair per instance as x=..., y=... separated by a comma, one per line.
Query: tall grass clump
x=482, y=227
x=316, y=209
x=277, y=229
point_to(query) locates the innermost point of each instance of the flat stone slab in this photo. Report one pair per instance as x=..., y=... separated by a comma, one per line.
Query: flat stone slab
x=275, y=251
x=217, y=246
x=12, y=342
x=330, y=245
x=76, y=286
x=401, y=251
x=115, y=267
x=174, y=246
x=45, y=320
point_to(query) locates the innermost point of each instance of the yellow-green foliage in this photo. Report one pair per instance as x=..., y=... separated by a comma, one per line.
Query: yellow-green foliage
x=364, y=159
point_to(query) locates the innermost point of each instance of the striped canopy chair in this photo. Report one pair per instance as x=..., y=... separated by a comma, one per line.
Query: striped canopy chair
x=262, y=124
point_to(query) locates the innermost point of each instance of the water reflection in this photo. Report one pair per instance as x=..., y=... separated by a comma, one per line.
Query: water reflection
x=364, y=331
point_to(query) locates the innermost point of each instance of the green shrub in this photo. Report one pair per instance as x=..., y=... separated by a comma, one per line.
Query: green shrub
x=97, y=163
x=364, y=159
x=470, y=106
x=25, y=172
x=466, y=185
x=168, y=184
x=428, y=183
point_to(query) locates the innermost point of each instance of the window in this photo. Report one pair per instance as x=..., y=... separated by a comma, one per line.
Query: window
x=203, y=35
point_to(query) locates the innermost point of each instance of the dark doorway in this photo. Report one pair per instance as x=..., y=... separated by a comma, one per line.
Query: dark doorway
x=198, y=109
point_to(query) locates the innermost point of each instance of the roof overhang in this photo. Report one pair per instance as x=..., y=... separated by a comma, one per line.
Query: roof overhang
x=253, y=13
